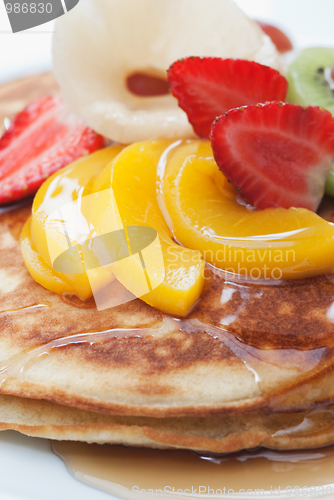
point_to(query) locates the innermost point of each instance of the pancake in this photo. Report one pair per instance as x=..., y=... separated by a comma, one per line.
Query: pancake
x=224, y=434
x=244, y=347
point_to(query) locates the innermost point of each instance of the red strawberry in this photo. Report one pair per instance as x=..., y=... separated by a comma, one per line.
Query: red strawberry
x=42, y=138
x=277, y=154
x=207, y=87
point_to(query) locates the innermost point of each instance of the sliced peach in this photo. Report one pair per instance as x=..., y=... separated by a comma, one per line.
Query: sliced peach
x=126, y=196
x=207, y=215
x=37, y=267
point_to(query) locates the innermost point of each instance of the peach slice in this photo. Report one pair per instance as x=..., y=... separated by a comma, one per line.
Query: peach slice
x=208, y=215
x=40, y=237
x=130, y=185
x=39, y=270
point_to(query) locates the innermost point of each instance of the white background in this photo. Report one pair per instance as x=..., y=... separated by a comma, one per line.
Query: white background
x=23, y=53
x=308, y=22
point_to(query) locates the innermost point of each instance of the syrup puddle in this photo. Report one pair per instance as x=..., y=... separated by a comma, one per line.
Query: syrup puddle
x=138, y=473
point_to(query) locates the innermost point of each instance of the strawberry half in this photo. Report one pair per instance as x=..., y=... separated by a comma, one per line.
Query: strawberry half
x=42, y=138
x=276, y=154
x=207, y=87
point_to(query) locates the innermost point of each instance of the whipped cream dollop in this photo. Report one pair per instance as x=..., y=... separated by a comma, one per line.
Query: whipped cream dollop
x=99, y=43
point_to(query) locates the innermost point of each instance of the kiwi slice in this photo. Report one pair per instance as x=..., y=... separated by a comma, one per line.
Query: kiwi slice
x=310, y=84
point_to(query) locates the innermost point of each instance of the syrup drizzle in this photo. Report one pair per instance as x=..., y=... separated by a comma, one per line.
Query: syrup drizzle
x=17, y=364
x=26, y=309
x=255, y=360
x=254, y=357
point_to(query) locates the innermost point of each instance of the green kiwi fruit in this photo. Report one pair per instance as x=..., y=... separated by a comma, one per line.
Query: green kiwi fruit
x=310, y=84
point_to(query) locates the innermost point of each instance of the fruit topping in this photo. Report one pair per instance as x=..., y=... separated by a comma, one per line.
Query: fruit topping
x=101, y=47
x=276, y=154
x=111, y=197
x=183, y=196
x=41, y=139
x=278, y=37
x=132, y=201
x=40, y=239
x=208, y=87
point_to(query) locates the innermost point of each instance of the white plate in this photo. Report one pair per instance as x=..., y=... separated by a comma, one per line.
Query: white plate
x=28, y=468
x=30, y=471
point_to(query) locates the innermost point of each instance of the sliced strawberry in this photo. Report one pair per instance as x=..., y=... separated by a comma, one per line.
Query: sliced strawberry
x=42, y=138
x=276, y=154
x=207, y=87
